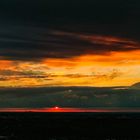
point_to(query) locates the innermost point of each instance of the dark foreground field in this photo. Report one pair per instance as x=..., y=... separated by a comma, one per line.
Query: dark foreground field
x=69, y=126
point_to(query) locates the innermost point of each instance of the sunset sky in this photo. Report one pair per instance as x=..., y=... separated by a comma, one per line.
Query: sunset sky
x=68, y=43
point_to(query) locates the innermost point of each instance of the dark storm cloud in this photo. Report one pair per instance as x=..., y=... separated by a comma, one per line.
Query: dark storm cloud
x=39, y=43
x=34, y=30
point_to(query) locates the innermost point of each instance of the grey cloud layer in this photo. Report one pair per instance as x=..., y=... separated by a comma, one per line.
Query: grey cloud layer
x=69, y=97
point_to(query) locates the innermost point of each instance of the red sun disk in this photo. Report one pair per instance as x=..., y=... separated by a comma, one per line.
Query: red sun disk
x=56, y=107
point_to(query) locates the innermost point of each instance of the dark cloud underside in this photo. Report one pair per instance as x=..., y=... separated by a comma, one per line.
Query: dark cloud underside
x=41, y=43
x=27, y=28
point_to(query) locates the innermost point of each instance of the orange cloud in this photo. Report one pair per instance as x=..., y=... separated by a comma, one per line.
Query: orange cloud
x=114, y=58
x=99, y=61
x=5, y=64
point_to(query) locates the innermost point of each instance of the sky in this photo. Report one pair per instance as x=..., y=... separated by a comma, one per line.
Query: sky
x=69, y=43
